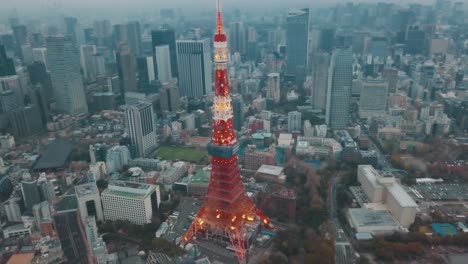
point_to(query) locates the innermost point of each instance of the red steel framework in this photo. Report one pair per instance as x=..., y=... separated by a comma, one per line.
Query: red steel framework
x=226, y=210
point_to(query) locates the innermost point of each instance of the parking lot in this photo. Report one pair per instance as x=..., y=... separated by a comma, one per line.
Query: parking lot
x=444, y=191
x=187, y=207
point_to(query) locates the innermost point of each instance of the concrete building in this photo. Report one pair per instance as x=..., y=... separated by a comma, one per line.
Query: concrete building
x=116, y=158
x=145, y=71
x=198, y=183
x=169, y=99
x=13, y=209
x=40, y=54
x=297, y=40
x=373, y=99
x=89, y=201
x=141, y=127
x=273, y=86
x=254, y=158
x=166, y=36
x=63, y=62
x=383, y=188
x=270, y=173
x=340, y=76
x=372, y=221
x=126, y=65
x=294, y=122
x=87, y=61
x=163, y=63
x=194, y=64
x=320, y=64
x=134, y=202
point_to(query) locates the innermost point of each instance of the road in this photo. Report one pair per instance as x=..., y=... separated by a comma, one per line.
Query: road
x=344, y=252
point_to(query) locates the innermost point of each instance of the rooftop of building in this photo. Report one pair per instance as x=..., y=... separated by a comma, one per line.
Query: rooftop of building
x=87, y=189
x=261, y=136
x=402, y=197
x=55, y=155
x=285, y=136
x=68, y=202
x=269, y=169
x=365, y=217
x=201, y=177
x=21, y=258
x=14, y=228
x=130, y=190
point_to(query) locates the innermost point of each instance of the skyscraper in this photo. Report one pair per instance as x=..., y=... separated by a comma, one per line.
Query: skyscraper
x=64, y=64
x=126, y=66
x=237, y=38
x=38, y=75
x=194, y=61
x=340, y=75
x=7, y=67
x=320, y=63
x=297, y=40
x=327, y=39
x=227, y=211
x=163, y=63
x=87, y=61
x=103, y=32
x=169, y=98
x=31, y=194
x=74, y=30
x=373, y=99
x=294, y=121
x=71, y=231
x=40, y=54
x=141, y=128
x=145, y=69
x=166, y=36
x=273, y=87
x=238, y=113
x=134, y=37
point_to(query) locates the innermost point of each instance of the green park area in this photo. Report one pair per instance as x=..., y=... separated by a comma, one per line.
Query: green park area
x=180, y=153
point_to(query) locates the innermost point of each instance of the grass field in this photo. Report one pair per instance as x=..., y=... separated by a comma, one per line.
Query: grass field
x=179, y=153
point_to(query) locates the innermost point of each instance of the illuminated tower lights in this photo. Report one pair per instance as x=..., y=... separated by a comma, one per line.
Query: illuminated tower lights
x=226, y=209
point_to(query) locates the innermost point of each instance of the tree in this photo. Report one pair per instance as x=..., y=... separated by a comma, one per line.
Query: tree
x=163, y=246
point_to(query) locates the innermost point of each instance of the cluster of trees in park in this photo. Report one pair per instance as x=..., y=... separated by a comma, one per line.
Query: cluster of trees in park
x=300, y=245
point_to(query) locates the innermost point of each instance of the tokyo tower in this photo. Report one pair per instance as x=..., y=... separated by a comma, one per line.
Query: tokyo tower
x=227, y=212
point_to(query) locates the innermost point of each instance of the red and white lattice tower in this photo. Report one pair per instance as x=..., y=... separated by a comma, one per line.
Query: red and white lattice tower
x=227, y=209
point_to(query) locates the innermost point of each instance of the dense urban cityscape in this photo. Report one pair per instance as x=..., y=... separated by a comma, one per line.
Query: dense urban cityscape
x=291, y=133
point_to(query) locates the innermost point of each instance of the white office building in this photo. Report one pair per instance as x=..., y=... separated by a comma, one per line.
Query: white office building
x=383, y=188
x=89, y=201
x=273, y=86
x=141, y=128
x=294, y=121
x=116, y=158
x=163, y=63
x=373, y=97
x=130, y=201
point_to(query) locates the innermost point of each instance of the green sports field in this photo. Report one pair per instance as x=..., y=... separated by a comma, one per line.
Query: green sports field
x=179, y=153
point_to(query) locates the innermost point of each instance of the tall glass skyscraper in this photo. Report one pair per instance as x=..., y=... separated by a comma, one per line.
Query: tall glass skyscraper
x=340, y=76
x=166, y=36
x=194, y=61
x=64, y=65
x=141, y=128
x=297, y=40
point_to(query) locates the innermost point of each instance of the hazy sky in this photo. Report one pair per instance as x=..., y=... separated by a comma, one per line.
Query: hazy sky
x=66, y=4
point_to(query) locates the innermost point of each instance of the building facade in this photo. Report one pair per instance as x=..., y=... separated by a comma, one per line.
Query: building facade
x=141, y=127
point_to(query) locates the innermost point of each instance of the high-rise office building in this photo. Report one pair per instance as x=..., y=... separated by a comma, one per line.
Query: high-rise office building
x=145, y=69
x=7, y=66
x=294, y=121
x=194, y=62
x=320, y=63
x=71, y=231
x=120, y=34
x=340, y=77
x=141, y=128
x=377, y=46
x=163, y=63
x=11, y=94
x=237, y=113
x=64, y=64
x=134, y=37
x=273, y=87
x=237, y=38
x=103, y=32
x=31, y=194
x=126, y=65
x=373, y=99
x=166, y=36
x=39, y=76
x=327, y=39
x=74, y=31
x=37, y=40
x=169, y=98
x=26, y=121
x=297, y=40
x=116, y=158
x=89, y=201
x=131, y=201
x=87, y=61
x=99, y=64
x=40, y=54
x=415, y=41
x=21, y=38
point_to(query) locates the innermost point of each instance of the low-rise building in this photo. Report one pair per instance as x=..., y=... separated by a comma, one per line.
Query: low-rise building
x=271, y=173
x=372, y=221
